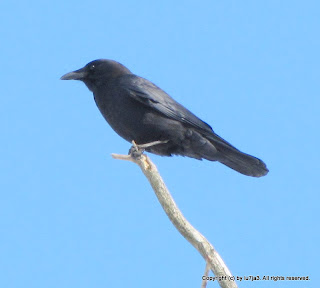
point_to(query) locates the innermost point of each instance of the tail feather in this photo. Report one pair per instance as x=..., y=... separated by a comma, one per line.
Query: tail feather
x=237, y=160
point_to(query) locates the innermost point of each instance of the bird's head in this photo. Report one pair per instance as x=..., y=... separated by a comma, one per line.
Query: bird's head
x=97, y=72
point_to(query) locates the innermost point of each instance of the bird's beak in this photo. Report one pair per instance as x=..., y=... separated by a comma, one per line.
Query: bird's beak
x=75, y=75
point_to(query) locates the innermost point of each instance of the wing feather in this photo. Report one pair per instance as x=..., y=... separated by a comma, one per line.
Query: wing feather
x=152, y=96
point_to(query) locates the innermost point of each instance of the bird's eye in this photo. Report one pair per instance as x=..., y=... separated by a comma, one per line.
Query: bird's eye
x=92, y=67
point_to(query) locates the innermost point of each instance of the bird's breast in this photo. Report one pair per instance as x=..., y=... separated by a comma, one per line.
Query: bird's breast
x=125, y=115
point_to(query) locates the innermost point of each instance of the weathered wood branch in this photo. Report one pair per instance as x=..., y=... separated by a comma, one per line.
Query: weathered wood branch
x=210, y=255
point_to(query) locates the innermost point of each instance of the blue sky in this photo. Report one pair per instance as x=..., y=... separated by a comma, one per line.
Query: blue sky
x=71, y=216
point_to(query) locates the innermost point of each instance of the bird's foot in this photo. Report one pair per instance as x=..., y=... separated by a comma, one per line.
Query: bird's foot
x=137, y=150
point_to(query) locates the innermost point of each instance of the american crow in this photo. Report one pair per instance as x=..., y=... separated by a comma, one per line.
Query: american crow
x=139, y=110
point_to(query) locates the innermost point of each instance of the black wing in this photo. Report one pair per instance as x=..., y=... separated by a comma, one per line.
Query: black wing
x=152, y=96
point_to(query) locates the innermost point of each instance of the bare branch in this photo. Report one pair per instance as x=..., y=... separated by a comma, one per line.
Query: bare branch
x=206, y=274
x=203, y=246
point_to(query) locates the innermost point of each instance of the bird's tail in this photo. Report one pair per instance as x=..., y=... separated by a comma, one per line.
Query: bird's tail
x=237, y=160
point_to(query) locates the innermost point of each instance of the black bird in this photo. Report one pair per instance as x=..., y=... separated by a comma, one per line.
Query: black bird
x=139, y=110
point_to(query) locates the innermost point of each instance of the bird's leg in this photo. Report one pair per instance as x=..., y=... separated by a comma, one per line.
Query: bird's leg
x=137, y=150
x=154, y=143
